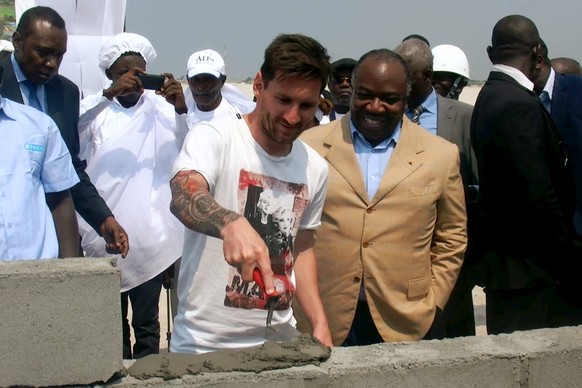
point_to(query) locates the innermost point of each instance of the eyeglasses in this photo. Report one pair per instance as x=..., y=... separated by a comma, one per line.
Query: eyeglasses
x=339, y=80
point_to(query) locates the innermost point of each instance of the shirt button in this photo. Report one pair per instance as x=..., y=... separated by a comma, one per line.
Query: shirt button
x=357, y=279
x=369, y=211
x=366, y=244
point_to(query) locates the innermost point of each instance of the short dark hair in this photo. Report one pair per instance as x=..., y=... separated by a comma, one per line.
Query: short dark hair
x=387, y=56
x=39, y=13
x=416, y=36
x=296, y=56
x=513, y=36
x=126, y=54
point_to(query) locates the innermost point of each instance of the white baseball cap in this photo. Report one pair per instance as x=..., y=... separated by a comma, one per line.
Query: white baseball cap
x=206, y=62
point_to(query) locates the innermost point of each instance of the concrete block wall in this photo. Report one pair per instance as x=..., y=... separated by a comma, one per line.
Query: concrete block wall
x=59, y=325
x=531, y=359
x=59, y=322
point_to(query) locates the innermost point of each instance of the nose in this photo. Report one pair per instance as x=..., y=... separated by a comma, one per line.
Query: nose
x=345, y=83
x=292, y=116
x=52, y=62
x=375, y=106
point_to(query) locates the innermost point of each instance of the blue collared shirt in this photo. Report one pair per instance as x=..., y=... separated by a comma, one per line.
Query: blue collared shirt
x=373, y=160
x=34, y=160
x=20, y=77
x=428, y=118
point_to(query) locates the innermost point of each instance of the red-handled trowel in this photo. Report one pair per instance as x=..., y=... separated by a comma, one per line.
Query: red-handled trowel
x=281, y=331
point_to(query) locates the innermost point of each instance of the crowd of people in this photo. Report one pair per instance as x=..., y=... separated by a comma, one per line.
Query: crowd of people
x=370, y=199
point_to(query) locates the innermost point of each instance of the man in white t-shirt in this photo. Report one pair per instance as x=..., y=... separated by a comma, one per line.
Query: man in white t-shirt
x=210, y=97
x=251, y=196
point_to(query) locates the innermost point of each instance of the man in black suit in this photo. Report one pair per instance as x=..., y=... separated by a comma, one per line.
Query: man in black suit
x=526, y=189
x=561, y=95
x=30, y=77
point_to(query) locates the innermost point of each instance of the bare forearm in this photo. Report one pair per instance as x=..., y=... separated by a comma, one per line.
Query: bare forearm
x=63, y=212
x=307, y=293
x=193, y=205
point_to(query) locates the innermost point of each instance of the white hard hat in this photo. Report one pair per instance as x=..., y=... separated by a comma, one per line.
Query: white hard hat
x=450, y=58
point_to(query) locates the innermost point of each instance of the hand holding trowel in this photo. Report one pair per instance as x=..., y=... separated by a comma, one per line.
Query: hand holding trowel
x=281, y=331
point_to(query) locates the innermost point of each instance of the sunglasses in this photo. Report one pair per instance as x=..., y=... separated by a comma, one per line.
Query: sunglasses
x=339, y=80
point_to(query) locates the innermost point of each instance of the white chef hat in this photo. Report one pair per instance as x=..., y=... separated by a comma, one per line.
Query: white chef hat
x=122, y=43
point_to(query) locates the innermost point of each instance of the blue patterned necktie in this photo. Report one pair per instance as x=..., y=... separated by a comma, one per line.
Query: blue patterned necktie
x=32, y=95
x=545, y=99
x=416, y=112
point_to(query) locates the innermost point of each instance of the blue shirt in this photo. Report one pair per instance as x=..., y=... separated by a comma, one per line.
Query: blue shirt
x=20, y=77
x=34, y=160
x=428, y=118
x=373, y=160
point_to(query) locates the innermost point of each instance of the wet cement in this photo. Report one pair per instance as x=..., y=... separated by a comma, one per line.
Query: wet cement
x=302, y=350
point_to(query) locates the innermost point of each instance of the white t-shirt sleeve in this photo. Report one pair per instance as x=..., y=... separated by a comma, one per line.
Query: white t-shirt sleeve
x=312, y=216
x=202, y=152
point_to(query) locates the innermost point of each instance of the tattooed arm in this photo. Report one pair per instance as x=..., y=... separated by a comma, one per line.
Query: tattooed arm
x=195, y=207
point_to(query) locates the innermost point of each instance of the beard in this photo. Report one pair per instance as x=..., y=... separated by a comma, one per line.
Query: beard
x=268, y=127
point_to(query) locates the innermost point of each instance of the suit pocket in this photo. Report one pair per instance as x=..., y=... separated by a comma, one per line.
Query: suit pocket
x=418, y=288
x=420, y=191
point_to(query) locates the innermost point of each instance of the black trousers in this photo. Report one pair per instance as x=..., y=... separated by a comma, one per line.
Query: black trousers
x=364, y=331
x=145, y=300
x=459, y=313
x=511, y=310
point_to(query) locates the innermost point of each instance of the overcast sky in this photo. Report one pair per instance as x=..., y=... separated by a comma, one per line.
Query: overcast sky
x=241, y=29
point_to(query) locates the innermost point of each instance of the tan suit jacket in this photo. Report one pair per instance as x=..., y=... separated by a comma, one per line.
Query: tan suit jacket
x=406, y=243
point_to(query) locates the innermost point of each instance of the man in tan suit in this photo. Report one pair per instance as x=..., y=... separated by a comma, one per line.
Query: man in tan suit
x=394, y=225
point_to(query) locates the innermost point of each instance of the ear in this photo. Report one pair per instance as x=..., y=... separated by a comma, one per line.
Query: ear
x=223, y=78
x=539, y=62
x=17, y=41
x=427, y=75
x=490, y=54
x=258, y=85
x=108, y=74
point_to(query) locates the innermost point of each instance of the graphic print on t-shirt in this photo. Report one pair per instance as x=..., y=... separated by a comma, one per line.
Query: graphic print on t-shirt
x=274, y=209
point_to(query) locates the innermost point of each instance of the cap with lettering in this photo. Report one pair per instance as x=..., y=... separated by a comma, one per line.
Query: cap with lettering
x=206, y=62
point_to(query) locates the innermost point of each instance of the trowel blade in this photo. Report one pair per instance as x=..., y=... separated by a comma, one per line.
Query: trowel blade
x=281, y=332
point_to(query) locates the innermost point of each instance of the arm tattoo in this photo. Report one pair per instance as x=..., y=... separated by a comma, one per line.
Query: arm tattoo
x=196, y=209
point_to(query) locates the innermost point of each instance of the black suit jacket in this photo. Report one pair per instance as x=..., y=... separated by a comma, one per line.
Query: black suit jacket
x=62, y=97
x=526, y=190
x=566, y=111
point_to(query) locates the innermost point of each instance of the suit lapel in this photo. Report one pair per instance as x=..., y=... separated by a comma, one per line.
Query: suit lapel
x=342, y=157
x=558, y=104
x=51, y=98
x=405, y=160
x=10, y=88
x=55, y=105
x=446, y=117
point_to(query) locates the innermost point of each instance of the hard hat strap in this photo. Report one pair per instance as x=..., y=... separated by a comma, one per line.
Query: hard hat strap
x=452, y=91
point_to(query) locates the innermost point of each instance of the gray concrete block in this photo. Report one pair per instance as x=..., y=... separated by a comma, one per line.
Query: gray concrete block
x=59, y=322
x=537, y=358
